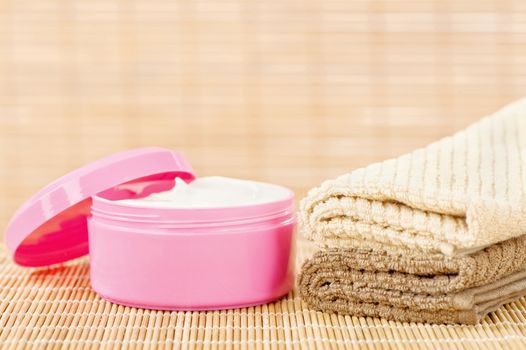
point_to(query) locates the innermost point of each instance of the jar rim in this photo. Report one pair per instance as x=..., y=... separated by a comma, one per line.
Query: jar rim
x=123, y=211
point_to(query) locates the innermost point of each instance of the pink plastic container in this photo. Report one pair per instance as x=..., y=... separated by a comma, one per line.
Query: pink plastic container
x=159, y=258
x=191, y=259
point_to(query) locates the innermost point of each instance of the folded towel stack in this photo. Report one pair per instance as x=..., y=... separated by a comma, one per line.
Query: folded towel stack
x=436, y=235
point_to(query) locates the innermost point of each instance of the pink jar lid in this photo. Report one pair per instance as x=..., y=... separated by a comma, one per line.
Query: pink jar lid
x=50, y=227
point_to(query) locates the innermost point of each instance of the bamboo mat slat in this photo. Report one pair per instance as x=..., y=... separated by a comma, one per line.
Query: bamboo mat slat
x=291, y=92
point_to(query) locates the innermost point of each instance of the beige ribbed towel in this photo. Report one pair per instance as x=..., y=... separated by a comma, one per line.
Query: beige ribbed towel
x=455, y=196
x=434, y=289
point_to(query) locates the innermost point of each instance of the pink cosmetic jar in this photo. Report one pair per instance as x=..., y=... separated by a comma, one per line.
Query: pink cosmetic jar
x=157, y=257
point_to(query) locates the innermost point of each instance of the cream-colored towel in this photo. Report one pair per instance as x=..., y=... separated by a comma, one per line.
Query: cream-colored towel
x=455, y=196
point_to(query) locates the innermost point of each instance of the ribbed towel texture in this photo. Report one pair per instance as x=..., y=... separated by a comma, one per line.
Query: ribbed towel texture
x=455, y=196
x=436, y=235
x=436, y=288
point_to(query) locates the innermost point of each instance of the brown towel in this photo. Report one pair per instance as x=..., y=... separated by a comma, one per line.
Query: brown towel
x=434, y=289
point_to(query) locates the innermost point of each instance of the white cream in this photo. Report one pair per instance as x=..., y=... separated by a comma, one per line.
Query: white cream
x=212, y=192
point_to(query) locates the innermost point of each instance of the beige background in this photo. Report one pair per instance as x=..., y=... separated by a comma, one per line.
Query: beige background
x=289, y=91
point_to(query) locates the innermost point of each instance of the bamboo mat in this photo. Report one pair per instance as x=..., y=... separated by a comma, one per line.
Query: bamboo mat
x=55, y=307
x=291, y=92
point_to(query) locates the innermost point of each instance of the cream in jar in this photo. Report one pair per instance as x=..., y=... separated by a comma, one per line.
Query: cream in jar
x=212, y=192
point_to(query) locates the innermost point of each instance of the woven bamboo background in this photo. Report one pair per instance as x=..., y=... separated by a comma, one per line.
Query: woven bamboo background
x=291, y=92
